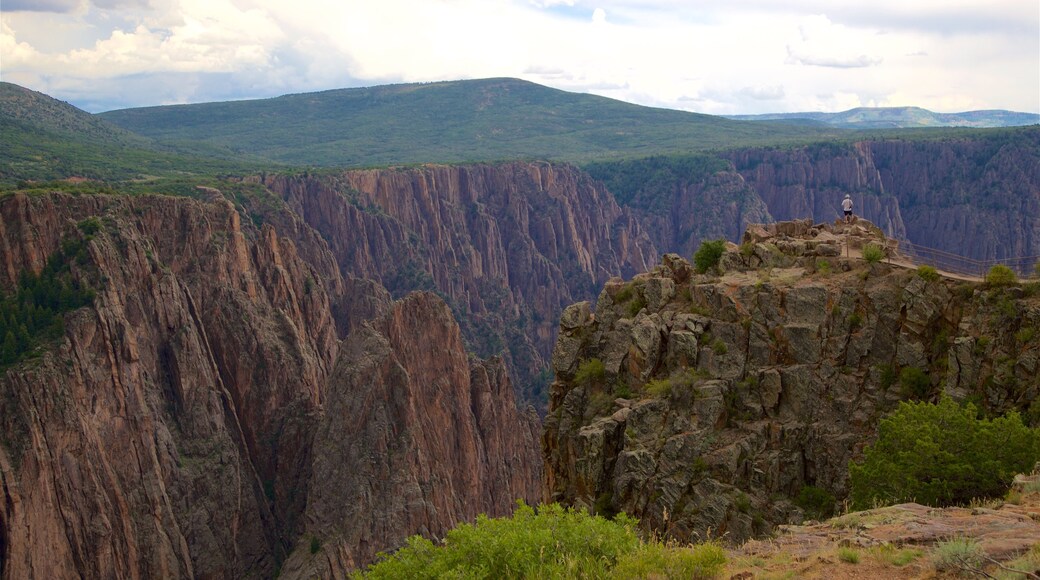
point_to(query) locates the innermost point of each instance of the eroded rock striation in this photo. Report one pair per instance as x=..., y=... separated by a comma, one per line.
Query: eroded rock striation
x=706, y=403
x=509, y=245
x=185, y=423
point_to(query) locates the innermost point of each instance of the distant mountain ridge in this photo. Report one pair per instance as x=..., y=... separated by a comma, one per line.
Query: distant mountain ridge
x=900, y=118
x=449, y=122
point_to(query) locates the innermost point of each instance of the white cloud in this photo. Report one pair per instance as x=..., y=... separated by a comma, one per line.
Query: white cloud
x=738, y=56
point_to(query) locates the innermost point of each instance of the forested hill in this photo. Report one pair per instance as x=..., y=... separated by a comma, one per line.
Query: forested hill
x=43, y=138
x=456, y=121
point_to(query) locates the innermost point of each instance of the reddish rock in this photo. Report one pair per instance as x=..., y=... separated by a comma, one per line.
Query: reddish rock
x=172, y=431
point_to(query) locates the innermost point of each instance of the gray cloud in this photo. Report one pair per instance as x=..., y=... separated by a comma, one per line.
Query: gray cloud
x=41, y=5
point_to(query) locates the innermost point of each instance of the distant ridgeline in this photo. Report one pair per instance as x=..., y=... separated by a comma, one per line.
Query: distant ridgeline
x=900, y=118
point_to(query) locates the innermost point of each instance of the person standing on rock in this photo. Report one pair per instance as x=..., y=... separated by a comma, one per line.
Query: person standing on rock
x=846, y=206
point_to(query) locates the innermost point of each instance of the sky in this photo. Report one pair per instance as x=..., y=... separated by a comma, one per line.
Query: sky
x=711, y=56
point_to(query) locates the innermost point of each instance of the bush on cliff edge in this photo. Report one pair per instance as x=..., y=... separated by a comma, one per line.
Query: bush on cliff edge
x=942, y=454
x=550, y=542
x=708, y=255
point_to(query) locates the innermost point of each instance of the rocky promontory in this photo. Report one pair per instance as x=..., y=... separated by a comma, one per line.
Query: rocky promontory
x=704, y=404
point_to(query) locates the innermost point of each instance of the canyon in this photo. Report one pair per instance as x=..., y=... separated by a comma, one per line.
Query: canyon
x=296, y=370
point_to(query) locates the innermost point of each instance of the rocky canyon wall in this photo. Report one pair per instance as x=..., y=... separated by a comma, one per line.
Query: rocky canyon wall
x=976, y=196
x=507, y=245
x=184, y=423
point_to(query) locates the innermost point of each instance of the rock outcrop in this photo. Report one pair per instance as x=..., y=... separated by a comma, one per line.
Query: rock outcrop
x=705, y=403
x=182, y=426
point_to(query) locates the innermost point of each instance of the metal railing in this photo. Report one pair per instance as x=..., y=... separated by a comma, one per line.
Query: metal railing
x=1023, y=266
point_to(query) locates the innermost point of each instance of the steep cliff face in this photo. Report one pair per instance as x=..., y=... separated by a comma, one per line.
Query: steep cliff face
x=386, y=462
x=977, y=197
x=718, y=206
x=172, y=431
x=701, y=403
x=509, y=245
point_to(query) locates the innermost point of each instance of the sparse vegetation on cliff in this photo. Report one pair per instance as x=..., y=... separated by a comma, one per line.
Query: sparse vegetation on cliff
x=708, y=255
x=548, y=542
x=33, y=313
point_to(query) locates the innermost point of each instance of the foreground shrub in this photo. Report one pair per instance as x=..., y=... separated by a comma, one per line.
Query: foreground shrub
x=942, y=454
x=550, y=542
x=708, y=255
x=958, y=554
x=1001, y=275
x=873, y=253
x=657, y=560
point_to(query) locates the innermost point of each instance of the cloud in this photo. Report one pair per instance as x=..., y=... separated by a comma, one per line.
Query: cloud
x=860, y=61
x=772, y=93
x=41, y=5
x=667, y=53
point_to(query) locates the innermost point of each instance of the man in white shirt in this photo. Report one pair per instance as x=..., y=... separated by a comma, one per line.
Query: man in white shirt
x=846, y=205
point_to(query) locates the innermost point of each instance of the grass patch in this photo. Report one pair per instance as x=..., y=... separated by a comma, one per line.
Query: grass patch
x=957, y=555
x=894, y=556
x=848, y=555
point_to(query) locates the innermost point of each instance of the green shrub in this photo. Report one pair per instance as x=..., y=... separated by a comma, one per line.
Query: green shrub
x=958, y=554
x=915, y=382
x=659, y=388
x=680, y=383
x=719, y=347
x=635, y=306
x=90, y=226
x=816, y=502
x=590, y=371
x=855, y=320
x=888, y=376
x=823, y=266
x=942, y=454
x=657, y=560
x=708, y=255
x=625, y=294
x=873, y=253
x=315, y=544
x=550, y=542
x=1001, y=275
x=928, y=273
x=848, y=555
